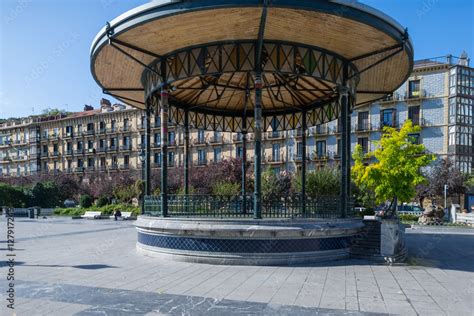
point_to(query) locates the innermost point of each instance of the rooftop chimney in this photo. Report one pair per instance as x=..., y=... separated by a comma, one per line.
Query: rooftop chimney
x=88, y=108
x=105, y=103
x=464, y=60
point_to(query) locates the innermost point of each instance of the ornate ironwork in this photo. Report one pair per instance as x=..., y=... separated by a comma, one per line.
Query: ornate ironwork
x=218, y=206
x=309, y=75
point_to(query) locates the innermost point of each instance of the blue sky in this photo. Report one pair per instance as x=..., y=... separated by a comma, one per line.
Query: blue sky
x=44, y=45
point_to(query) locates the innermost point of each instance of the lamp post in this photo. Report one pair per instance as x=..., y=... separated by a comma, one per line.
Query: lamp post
x=142, y=157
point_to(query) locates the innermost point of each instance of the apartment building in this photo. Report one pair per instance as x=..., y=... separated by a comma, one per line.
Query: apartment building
x=438, y=96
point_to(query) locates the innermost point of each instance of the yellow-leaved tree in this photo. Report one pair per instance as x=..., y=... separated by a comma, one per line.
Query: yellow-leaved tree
x=395, y=172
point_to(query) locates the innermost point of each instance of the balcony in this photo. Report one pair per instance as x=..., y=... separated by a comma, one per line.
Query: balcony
x=113, y=130
x=102, y=149
x=363, y=127
x=114, y=166
x=90, y=169
x=202, y=162
x=216, y=139
x=387, y=124
x=200, y=141
x=321, y=130
x=79, y=152
x=79, y=169
x=274, y=160
x=102, y=131
x=68, y=135
x=274, y=135
x=102, y=168
x=172, y=143
x=156, y=165
x=237, y=138
x=319, y=157
x=113, y=148
x=124, y=167
x=90, y=151
x=126, y=147
x=125, y=129
x=90, y=132
x=298, y=134
x=55, y=154
x=68, y=152
x=44, y=155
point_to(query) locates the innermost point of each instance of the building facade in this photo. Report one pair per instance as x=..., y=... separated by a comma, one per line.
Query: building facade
x=439, y=97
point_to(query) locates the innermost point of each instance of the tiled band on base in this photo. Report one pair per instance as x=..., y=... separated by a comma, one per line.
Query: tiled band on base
x=329, y=243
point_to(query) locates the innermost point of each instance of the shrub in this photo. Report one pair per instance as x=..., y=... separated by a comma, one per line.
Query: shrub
x=85, y=201
x=12, y=196
x=102, y=201
x=226, y=189
x=408, y=217
x=45, y=194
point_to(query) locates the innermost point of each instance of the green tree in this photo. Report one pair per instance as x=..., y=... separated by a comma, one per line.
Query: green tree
x=395, y=173
x=45, y=194
x=322, y=182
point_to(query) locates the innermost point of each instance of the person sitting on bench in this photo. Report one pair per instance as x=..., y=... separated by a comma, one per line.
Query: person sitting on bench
x=117, y=214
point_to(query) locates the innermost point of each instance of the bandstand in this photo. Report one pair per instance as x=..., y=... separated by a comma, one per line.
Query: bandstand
x=248, y=67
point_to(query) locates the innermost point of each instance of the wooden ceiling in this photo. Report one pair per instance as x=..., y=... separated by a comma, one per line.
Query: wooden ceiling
x=350, y=39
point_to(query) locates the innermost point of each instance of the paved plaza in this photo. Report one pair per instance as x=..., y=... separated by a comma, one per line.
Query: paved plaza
x=90, y=267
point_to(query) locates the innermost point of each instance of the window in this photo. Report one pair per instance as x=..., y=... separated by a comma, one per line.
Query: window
x=113, y=143
x=239, y=152
x=46, y=133
x=113, y=126
x=90, y=162
x=157, y=139
x=157, y=159
x=68, y=146
x=126, y=142
x=55, y=148
x=201, y=157
x=414, y=114
x=200, y=136
x=79, y=129
x=171, y=138
x=69, y=164
x=125, y=125
x=276, y=152
x=80, y=163
x=157, y=121
x=102, y=126
x=363, y=121
x=80, y=145
x=388, y=117
x=90, y=127
x=171, y=159
x=69, y=131
x=321, y=148
x=364, y=143
x=126, y=161
x=45, y=149
x=90, y=144
x=142, y=122
x=102, y=144
x=102, y=161
x=414, y=89
x=299, y=150
x=114, y=161
x=217, y=154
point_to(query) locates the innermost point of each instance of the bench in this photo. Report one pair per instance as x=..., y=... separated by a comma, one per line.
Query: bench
x=91, y=215
x=125, y=216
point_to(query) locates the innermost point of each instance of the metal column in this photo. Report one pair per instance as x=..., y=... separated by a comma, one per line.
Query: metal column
x=147, y=150
x=244, y=171
x=164, y=151
x=345, y=143
x=257, y=207
x=303, y=163
x=186, y=153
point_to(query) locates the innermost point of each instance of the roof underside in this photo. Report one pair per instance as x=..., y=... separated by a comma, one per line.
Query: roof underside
x=337, y=33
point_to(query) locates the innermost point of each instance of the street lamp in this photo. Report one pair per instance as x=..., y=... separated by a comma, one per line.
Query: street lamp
x=141, y=156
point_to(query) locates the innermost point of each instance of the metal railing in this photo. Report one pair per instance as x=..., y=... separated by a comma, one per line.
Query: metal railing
x=223, y=206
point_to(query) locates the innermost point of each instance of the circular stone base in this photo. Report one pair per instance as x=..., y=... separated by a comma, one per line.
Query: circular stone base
x=246, y=242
